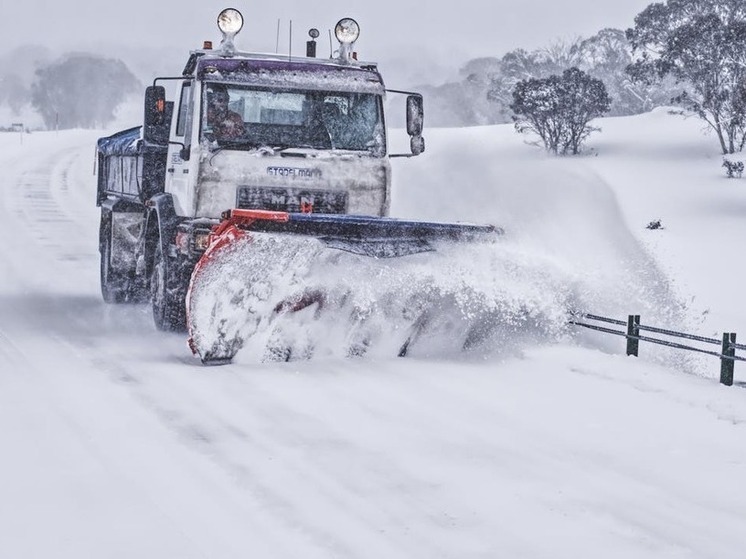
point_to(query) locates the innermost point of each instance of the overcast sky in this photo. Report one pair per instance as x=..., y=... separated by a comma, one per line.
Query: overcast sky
x=463, y=29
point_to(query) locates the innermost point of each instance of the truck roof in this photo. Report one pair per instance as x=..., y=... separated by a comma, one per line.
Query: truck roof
x=277, y=71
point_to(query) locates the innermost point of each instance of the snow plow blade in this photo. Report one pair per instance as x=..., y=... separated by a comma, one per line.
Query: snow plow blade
x=261, y=264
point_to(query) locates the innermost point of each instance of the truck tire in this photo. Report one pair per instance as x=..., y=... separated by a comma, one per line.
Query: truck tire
x=113, y=283
x=166, y=297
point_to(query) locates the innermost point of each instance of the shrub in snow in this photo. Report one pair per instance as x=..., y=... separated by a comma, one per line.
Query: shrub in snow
x=733, y=169
x=654, y=225
x=559, y=108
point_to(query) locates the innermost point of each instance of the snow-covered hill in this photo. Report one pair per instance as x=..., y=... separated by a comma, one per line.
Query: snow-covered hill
x=116, y=443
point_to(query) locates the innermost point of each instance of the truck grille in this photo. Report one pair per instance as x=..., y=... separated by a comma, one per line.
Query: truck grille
x=292, y=200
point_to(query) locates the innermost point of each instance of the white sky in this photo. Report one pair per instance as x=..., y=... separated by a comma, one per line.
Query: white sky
x=459, y=30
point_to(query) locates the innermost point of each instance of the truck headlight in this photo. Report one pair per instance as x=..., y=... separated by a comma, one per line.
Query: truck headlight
x=201, y=240
x=192, y=241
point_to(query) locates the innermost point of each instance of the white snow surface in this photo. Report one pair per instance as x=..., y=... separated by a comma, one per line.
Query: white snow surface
x=548, y=442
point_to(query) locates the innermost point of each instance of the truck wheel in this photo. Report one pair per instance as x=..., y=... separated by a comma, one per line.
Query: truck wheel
x=167, y=300
x=113, y=283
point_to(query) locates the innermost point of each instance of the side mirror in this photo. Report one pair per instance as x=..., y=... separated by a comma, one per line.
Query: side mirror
x=155, y=120
x=415, y=115
x=415, y=122
x=417, y=145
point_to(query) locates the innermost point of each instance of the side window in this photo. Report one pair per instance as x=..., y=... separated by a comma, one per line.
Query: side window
x=114, y=174
x=130, y=181
x=186, y=95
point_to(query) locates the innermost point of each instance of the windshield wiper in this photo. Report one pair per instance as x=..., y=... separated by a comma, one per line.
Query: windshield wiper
x=284, y=153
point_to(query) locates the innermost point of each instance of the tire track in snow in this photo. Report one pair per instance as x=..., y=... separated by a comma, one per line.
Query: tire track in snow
x=148, y=485
x=254, y=442
x=11, y=355
x=36, y=204
x=268, y=442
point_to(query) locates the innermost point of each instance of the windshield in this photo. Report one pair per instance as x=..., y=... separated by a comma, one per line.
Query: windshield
x=244, y=118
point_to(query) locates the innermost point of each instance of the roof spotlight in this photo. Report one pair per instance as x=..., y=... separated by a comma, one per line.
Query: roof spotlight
x=347, y=31
x=230, y=22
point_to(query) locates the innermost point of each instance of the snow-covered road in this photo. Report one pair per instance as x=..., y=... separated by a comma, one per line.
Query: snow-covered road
x=115, y=442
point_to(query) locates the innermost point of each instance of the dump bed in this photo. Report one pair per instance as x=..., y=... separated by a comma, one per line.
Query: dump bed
x=128, y=167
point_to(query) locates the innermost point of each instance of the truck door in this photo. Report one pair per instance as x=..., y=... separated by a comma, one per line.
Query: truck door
x=178, y=180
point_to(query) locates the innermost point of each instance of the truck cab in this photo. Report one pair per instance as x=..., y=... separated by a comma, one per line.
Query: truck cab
x=312, y=138
x=241, y=130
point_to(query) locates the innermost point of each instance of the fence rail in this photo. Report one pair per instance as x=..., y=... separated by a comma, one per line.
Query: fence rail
x=728, y=345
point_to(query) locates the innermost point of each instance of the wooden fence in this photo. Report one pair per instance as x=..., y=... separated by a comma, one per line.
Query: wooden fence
x=728, y=345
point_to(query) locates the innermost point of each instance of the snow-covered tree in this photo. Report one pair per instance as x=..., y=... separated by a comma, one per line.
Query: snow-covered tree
x=560, y=108
x=702, y=45
x=81, y=90
x=520, y=65
x=605, y=56
x=465, y=102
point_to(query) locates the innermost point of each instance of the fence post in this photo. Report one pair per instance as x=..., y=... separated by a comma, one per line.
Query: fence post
x=726, y=365
x=633, y=329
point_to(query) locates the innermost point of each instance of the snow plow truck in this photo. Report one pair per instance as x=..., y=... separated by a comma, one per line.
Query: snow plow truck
x=256, y=173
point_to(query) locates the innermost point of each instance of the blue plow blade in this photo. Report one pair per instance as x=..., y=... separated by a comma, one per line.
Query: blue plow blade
x=379, y=237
